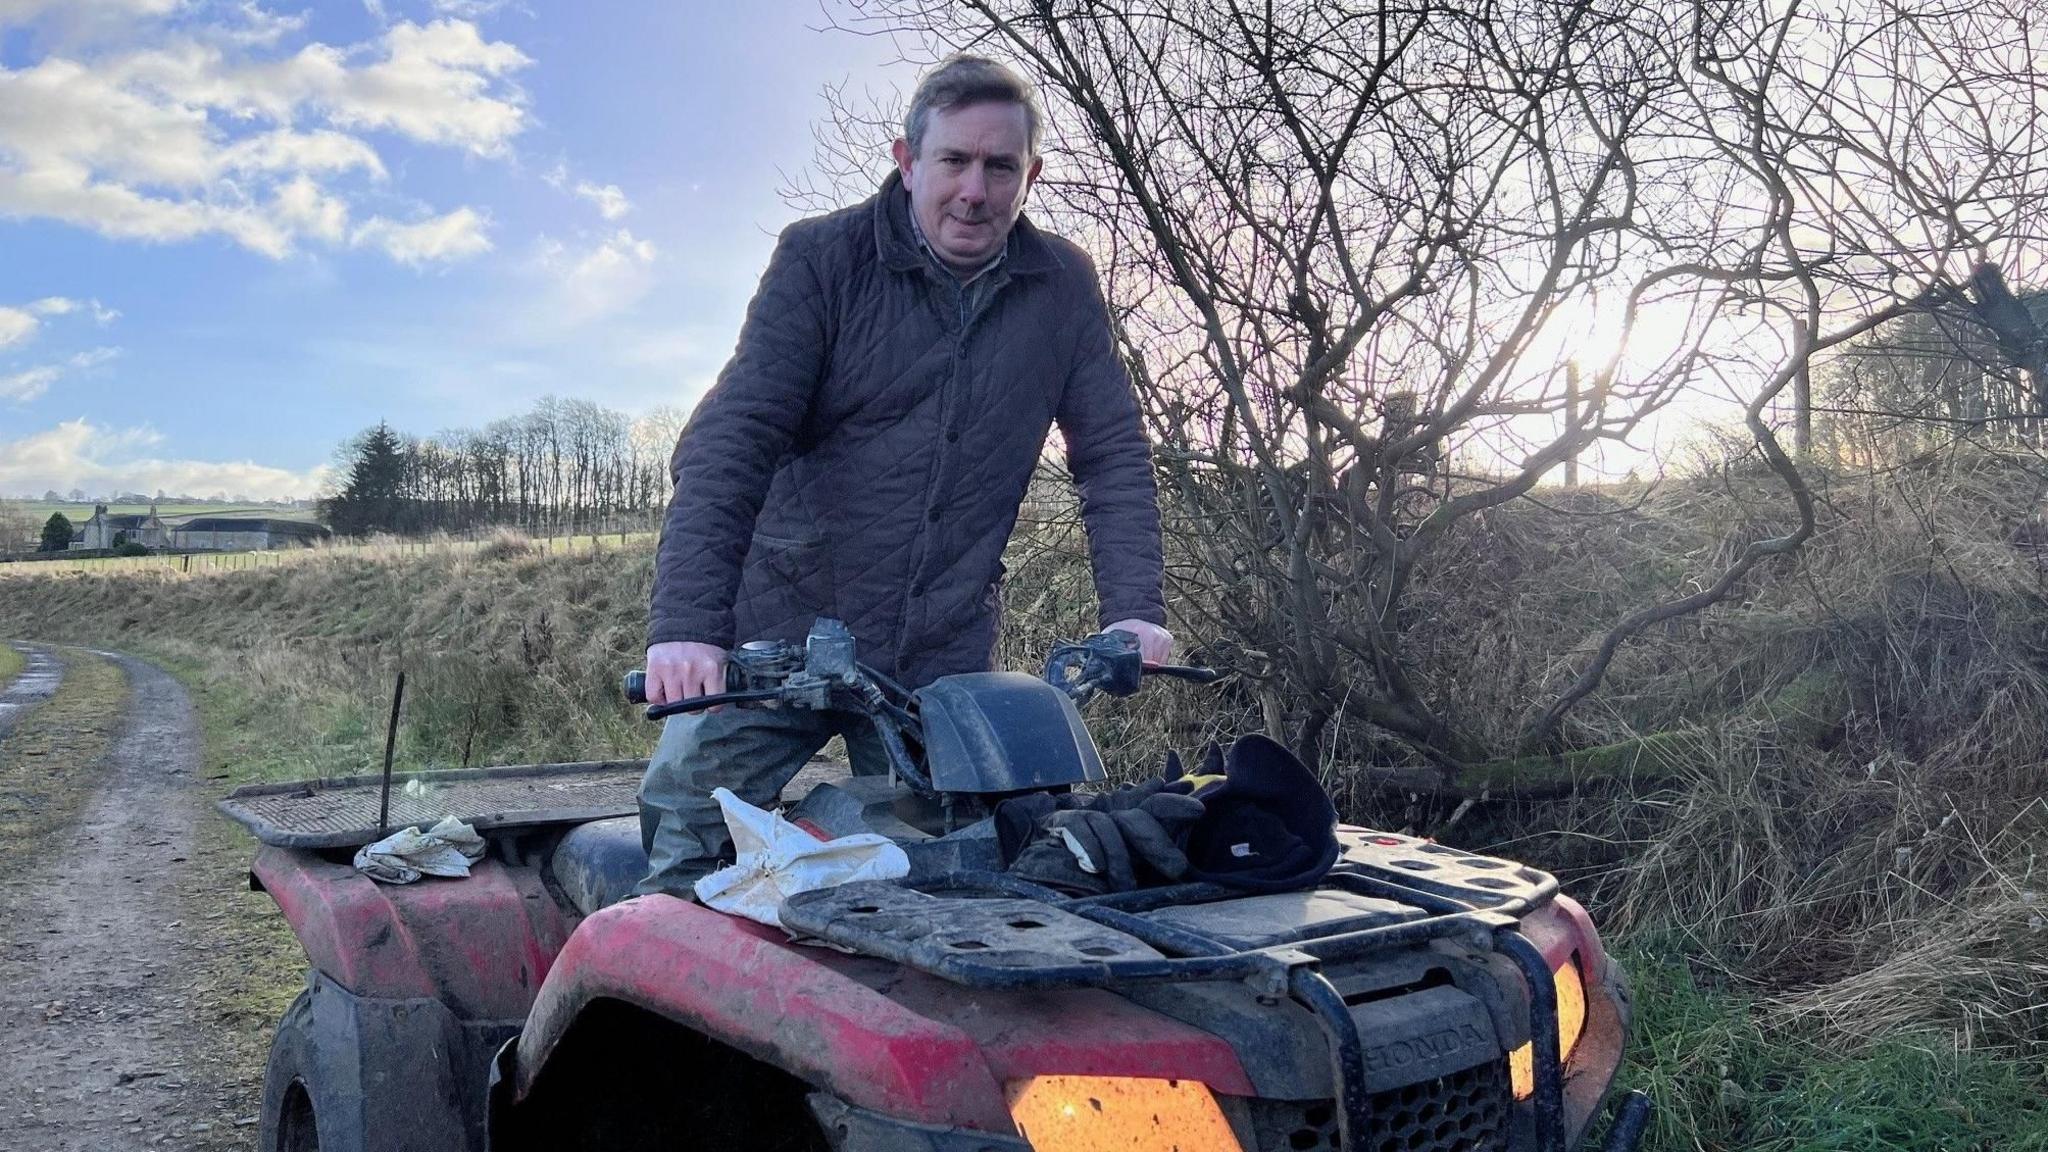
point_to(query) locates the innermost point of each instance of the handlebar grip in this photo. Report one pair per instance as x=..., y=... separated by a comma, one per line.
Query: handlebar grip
x=635, y=687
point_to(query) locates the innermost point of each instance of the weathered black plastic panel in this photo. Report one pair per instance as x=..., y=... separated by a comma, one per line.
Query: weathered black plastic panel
x=954, y=937
x=1003, y=732
x=1282, y=918
x=597, y=864
x=402, y=1075
x=1422, y=1036
x=851, y=1129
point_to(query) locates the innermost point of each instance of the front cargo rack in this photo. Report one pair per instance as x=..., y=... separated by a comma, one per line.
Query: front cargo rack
x=996, y=931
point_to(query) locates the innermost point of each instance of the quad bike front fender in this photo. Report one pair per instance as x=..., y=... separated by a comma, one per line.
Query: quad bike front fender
x=882, y=1040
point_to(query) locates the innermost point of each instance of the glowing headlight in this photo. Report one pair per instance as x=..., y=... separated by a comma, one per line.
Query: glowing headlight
x=1571, y=1020
x=1087, y=1113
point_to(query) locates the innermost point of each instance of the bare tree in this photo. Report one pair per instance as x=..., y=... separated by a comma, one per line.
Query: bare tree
x=1380, y=269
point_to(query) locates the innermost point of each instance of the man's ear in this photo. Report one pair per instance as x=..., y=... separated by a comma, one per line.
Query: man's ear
x=1031, y=173
x=901, y=151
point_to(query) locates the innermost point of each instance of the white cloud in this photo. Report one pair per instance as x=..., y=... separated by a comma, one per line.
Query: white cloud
x=93, y=357
x=71, y=17
x=606, y=278
x=611, y=203
x=26, y=386
x=469, y=9
x=17, y=325
x=309, y=209
x=79, y=454
x=211, y=132
x=457, y=235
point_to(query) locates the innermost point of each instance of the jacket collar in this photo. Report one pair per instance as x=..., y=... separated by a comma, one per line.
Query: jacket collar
x=896, y=244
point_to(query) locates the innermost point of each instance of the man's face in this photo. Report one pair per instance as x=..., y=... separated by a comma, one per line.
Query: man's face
x=967, y=185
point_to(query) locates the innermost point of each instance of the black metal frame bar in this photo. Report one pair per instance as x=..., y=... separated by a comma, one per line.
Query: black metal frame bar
x=1295, y=969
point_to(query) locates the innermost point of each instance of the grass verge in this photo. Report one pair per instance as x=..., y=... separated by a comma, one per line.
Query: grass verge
x=1723, y=1080
x=11, y=664
x=50, y=765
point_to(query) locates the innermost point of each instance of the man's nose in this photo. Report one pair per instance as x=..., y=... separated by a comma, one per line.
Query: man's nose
x=974, y=184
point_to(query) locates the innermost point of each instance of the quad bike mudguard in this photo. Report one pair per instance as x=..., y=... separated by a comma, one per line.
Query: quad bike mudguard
x=481, y=947
x=918, y=1052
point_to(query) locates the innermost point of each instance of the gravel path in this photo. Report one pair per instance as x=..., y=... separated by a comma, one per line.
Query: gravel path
x=99, y=1037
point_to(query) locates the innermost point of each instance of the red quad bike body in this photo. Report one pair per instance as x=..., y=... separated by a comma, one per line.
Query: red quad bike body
x=1418, y=998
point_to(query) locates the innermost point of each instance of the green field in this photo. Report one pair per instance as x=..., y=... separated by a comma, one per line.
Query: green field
x=80, y=513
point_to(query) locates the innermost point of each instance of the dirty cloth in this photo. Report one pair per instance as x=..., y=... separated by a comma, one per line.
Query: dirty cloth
x=864, y=452
x=777, y=860
x=753, y=751
x=447, y=849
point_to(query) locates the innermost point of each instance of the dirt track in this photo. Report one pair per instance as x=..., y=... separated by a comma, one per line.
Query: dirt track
x=102, y=1048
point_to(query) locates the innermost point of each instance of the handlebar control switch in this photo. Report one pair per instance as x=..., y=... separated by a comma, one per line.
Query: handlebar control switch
x=1105, y=662
x=760, y=665
x=829, y=651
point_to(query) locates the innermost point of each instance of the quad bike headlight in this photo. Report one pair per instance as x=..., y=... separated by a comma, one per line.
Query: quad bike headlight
x=1571, y=1021
x=1087, y=1113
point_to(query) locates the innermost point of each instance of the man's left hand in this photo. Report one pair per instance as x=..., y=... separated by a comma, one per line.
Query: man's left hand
x=1155, y=644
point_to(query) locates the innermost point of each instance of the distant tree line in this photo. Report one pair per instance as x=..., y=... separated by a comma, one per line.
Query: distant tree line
x=1964, y=368
x=567, y=466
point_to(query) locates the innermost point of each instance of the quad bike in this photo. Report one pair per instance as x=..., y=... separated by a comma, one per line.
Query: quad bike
x=1417, y=999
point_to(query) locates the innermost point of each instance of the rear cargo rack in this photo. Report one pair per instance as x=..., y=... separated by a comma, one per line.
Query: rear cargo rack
x=996, y=931
x=342, y=812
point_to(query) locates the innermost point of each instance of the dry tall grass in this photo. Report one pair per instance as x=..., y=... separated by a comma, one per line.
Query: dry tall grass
x=1856, y=835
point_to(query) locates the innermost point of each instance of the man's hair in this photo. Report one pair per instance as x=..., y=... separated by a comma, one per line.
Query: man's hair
x=961, y=80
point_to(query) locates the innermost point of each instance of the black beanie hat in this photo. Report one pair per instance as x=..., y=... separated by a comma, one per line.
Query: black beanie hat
x=1268, y=827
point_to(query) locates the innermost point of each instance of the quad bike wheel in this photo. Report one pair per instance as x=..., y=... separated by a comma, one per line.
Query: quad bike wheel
x=290, y=1089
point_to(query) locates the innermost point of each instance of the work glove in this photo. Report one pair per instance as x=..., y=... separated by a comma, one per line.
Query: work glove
x=1111, y=843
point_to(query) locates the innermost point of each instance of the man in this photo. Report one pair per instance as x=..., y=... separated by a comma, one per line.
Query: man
x=864, y=453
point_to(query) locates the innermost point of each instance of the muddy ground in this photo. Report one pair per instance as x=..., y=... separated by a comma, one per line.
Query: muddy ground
x=131, y=989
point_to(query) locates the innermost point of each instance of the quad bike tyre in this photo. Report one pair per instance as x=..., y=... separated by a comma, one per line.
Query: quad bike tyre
x=290, y=1090
x=350, y=1073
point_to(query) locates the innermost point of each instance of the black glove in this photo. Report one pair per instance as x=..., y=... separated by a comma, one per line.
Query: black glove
x=1092, y=850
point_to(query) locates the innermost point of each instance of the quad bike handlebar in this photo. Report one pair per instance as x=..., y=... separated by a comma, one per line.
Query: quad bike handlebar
x=822, y=673
x=761, y=673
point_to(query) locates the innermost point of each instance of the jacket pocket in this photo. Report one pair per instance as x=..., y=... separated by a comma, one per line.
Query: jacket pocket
x=784, y=584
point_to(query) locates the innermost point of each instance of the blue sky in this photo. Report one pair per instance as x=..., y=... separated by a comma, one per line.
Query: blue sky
x=233, y=233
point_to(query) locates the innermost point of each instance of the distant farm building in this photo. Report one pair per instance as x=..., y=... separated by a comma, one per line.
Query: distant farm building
x=244, y=534
x=107, y=530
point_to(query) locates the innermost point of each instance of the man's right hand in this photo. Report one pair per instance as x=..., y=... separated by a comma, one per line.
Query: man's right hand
x=682, y=669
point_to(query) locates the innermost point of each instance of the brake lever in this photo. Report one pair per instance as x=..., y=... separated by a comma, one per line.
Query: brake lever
x=699, y=703
x=1188, y=672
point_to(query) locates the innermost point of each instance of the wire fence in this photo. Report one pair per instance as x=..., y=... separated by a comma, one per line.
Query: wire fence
x=380, y=547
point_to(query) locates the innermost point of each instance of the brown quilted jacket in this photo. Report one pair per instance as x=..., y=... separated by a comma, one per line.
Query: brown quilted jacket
x=864, y=453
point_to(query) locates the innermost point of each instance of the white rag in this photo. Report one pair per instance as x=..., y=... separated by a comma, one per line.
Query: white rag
x=446, y=849
x=777, y=859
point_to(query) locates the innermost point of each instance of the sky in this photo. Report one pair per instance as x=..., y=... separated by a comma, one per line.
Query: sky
x=235, y=232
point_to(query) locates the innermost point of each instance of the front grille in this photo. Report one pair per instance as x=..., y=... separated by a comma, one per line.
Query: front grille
x=1462, y=1112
